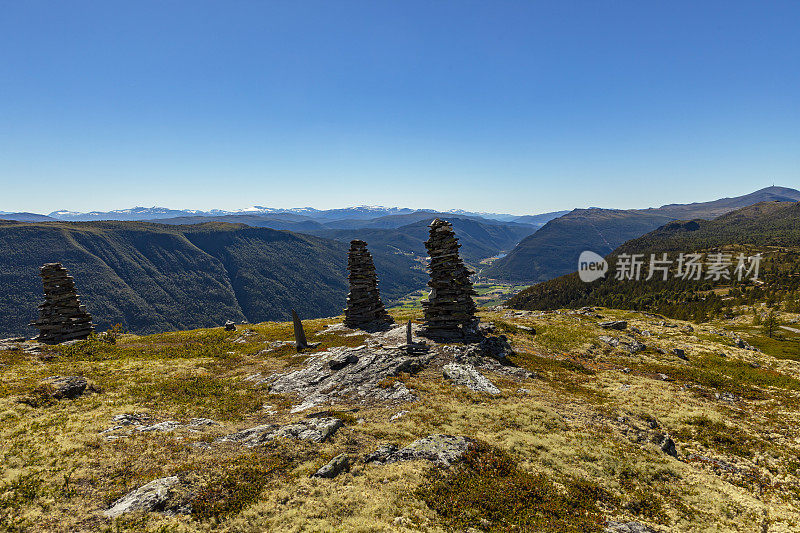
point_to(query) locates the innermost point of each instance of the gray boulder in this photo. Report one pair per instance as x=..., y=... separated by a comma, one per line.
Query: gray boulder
x=680, y=353
x=336, y=466
x=230, y=326
x=442, y=450
x=668, y=446
x=469, y=377
x=382, y=454
x=497, y=348
x=611, y=341
x=635, y=346
x=620, y=325
x=60, y=387
x=315, y=429
x=154, y=496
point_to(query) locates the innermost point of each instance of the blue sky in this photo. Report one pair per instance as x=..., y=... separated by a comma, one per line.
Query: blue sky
x=520, y=107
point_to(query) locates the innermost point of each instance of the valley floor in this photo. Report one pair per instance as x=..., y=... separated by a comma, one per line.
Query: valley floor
x=582, y=445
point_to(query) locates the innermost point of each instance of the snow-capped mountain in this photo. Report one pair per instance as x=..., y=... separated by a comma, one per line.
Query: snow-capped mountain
x=150, y=213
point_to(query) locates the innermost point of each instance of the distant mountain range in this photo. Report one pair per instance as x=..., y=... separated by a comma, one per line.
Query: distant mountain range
x=553, y=250
x=297, y=214
x=24, y=217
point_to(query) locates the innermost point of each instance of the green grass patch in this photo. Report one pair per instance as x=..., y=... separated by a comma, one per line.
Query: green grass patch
x=784, y=345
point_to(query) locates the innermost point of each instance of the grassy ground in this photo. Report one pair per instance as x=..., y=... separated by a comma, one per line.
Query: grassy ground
x=564, y=451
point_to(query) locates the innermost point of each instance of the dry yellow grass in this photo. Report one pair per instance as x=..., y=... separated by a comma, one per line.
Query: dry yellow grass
x=584, y=417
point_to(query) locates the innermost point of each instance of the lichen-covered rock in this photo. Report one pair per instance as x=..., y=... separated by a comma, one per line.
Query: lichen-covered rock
x=336, y=466
x=611, y=341
x=442, y=450
x=313, y=429
x=634, y=346
x=158, y=495
x=350, y=372
x=469, y=377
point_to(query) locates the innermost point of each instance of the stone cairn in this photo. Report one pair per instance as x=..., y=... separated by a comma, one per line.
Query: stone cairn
x=61, y=317
x=364, y=306
x=449, y=311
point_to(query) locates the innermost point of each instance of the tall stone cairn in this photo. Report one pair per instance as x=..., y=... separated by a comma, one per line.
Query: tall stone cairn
x=449, y=311
x=61, y=317
x=364, y=306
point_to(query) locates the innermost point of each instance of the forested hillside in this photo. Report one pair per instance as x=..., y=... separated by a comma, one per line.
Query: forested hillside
x=478, y=240
x=152, y=277
x=771, y=229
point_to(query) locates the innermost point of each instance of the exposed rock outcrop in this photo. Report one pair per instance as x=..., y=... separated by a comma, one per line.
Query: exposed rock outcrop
x=350, y=372
x=69, y=387
x=158, y=495
x=469, y=377
x=442, y=450
x=312, y=429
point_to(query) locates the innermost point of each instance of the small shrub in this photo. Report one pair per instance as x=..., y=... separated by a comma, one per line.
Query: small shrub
x=487, y=490
x=239, y=484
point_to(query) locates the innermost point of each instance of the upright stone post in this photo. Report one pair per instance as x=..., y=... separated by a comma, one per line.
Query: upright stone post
x=299, y=335
x=450, y=310
x=61, y=317
x=364, y=306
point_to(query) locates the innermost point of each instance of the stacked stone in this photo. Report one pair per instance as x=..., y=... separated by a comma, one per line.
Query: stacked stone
x=364, y=306
x=61, y=317
x=449, y=311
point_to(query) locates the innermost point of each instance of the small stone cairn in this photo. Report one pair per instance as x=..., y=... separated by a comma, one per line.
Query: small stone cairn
x=449, y=311
x=364, y=306
x=61, y=317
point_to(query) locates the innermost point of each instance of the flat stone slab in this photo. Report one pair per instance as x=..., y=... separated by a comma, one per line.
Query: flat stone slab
x=142, y=423
x=313, y=429
x=469, y=377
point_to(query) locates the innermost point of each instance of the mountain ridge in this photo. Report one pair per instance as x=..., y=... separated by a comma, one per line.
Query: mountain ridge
x=553, y=250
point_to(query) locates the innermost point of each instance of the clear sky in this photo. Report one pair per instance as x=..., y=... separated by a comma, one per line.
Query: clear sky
x=520, y=107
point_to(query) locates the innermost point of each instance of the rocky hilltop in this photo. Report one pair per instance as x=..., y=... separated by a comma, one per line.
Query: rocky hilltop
x=584, y=420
